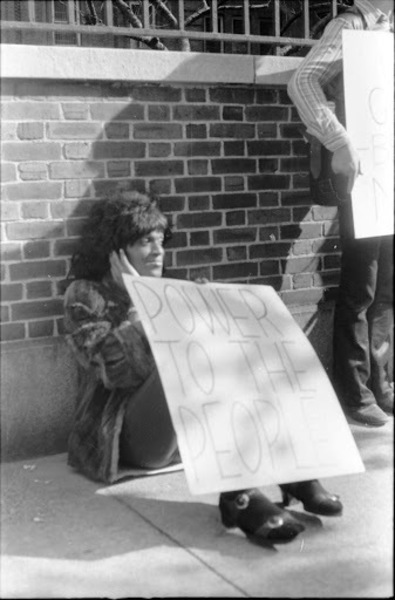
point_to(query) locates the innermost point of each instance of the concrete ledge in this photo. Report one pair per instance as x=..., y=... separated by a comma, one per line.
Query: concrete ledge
x=274, y=70
x=109, y=64
x=39, y=381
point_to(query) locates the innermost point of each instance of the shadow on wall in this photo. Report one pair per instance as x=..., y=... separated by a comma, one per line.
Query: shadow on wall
x=167, y=140
x=137, y=155
x=226, y=177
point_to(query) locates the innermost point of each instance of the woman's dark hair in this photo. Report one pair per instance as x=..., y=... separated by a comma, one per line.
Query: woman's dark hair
x=114, y=224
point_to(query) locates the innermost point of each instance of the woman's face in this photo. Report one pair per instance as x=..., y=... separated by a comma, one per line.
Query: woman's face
x=146, y=254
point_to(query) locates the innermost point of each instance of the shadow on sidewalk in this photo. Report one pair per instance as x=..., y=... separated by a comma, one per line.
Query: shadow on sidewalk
x=196, y=524
x=52, y=512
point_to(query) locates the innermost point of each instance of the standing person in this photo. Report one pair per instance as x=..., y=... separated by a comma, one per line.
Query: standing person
x=364, y=310
x=121, y=419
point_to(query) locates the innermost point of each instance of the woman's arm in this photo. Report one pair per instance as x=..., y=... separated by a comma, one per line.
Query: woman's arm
x=323, y=63
x=120, y=353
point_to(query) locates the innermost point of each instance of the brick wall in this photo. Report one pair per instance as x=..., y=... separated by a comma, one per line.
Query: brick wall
x=228, y=162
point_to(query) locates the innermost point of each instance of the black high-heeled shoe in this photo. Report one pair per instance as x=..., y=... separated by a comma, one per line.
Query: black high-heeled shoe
x=314, y=497
x=259, y=518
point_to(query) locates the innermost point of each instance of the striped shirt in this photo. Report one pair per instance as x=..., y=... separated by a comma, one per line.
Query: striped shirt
x=323, y=63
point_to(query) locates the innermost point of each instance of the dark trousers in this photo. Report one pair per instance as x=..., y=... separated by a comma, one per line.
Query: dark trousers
x=363, y=318
x=148, y=439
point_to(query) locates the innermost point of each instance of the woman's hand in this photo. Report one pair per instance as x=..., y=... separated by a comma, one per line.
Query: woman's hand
x=345, y=161
x=119, y=265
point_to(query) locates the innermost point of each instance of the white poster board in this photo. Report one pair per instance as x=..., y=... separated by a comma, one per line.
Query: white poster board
x=249, y=399
x=369, y=95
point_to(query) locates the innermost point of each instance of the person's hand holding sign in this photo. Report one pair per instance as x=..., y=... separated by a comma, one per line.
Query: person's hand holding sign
x=345, y=161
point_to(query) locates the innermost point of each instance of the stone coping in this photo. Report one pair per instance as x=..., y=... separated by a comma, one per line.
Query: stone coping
x=109, y=64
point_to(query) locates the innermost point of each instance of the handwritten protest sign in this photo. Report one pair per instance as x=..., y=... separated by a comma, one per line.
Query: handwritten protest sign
x=369, y=95
x=249, y=399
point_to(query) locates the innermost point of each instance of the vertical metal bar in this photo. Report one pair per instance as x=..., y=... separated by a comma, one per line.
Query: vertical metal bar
x=181, y=15
x=214, y=16
x=51, y=19
x=306, y=19
x=146, y=22
x=246, y=17
x=109, y=13
x=71, y=12
x=72, y=8
x=277, y=28
x=31, y=11
x=334, y=8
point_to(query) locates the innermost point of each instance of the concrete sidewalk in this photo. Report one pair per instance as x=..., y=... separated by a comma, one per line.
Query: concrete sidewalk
x=64, y=536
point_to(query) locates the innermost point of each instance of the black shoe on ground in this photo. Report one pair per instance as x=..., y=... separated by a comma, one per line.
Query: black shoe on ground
x=258, y=517
x=386, y=401
x=371, y=415
x=314, y=497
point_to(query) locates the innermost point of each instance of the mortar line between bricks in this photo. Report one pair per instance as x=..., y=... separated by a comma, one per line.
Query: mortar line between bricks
x=175, y=541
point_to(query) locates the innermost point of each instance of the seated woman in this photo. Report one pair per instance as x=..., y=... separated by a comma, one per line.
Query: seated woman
x=121, y=416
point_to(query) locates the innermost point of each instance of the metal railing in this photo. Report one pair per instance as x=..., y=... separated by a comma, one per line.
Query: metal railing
x=154, y=23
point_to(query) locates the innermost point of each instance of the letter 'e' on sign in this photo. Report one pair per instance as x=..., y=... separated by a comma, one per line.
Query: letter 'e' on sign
x=249, y=399
x=369, y=96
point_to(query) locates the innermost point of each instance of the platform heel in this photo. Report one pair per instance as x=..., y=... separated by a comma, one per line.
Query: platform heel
x=258, y=517
x=314, y=497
